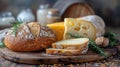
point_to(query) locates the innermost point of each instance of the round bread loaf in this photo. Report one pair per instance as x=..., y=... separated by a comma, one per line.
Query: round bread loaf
x=29, y=37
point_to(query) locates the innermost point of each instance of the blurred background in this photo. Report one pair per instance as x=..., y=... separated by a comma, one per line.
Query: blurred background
x=109, y=10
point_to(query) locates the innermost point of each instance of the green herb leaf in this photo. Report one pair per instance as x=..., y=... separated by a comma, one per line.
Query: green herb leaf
x=15, y=27
x=112, y=38
x=74, y=36
x=2, y=45
x=96, y=48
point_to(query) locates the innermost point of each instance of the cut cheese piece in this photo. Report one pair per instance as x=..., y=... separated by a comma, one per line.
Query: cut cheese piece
x=62, y=52
x=97, y=21
x=58, y=29
x=79, y=28
x=73, y=44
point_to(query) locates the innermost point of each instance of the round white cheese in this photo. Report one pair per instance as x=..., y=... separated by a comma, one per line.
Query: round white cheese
x=97, y=21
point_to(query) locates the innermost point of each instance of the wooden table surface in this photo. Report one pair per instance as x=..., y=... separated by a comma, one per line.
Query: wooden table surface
x=113, y=61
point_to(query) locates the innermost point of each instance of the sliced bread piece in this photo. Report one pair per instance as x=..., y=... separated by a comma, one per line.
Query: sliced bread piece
x=72, y=44
x=80, y=28
x=65, y=52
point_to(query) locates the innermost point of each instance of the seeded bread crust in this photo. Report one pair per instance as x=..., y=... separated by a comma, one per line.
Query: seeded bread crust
x=30, y=37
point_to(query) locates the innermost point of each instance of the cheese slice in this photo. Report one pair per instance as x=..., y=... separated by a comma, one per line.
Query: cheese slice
x=58, y=29
x=64, y=52
x=79, y=28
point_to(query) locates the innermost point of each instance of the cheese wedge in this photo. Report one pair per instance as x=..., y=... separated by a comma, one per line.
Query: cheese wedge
x=58, y=29
x=79, y=28
x=97, y=21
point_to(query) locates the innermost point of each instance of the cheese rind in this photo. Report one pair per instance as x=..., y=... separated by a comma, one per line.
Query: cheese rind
x=97, y=21
x=58, y=29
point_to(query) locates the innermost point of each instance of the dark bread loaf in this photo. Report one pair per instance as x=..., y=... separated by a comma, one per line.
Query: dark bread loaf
x=30, y=37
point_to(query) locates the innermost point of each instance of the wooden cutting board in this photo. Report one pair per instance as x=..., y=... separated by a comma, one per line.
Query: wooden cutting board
x=43, y=58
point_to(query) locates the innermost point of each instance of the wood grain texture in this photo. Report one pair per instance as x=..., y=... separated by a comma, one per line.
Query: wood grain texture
x=43, y=58
x=118, y=47
x=62, y=5
x=73, y=8
x=78, y=10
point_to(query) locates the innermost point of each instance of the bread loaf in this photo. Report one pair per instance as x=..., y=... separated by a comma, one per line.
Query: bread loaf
x=79, y=28
x=29, y=37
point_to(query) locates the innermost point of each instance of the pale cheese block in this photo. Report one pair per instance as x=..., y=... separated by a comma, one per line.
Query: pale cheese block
x=79, y=28
x=64, y=52
x=97, y=21
x=73, y=44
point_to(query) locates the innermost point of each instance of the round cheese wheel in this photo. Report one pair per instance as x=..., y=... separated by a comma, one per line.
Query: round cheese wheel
x=97, y=21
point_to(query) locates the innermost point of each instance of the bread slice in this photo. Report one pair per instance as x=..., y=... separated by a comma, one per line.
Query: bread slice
x=73, y=44
x=64, y=52
x=79, y=28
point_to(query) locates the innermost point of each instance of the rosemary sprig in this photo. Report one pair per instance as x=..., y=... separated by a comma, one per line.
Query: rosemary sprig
x=112, y=38
x=74, y=36
x=96, y=48
x=15, y=27
x=2, y=45
x=92, y=45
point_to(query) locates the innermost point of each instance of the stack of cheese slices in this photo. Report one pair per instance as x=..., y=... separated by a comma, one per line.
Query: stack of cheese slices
x=69, y=47
x=73, y=36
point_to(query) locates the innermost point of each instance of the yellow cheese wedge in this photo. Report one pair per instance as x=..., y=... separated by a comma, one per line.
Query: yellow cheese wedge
x=79, y=28
x=58, y=29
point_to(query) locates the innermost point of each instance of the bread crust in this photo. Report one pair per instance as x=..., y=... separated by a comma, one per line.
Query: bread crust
x=25, y=41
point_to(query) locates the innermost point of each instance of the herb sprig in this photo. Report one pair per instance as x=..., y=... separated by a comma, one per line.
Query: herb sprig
x=2, y=45
x=112, y=38
x=96, y=48
x=92, y=45
x=15, y=26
